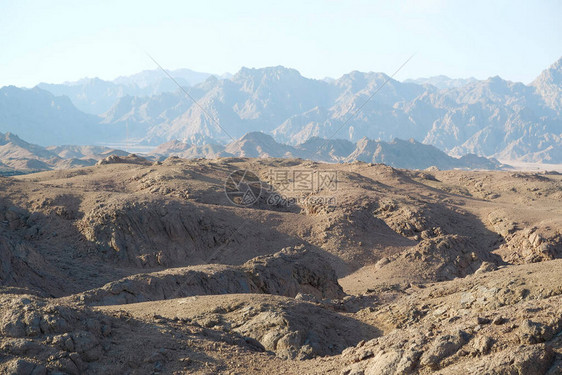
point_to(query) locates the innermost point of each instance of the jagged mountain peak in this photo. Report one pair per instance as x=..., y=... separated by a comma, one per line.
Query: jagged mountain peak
x=257, y=144
x=171, y=147
x=404, y=141
x=552, y=74
x=256, y=136
x=43, y=118
x=358, y=78
x=549, y=85
x=13, y=147
x=277, y=72
x=151, y=77
x=557, y=65
x=357, y=74
x=89, y=81
x=323, y=141
x=10, y=137
x=266, y=80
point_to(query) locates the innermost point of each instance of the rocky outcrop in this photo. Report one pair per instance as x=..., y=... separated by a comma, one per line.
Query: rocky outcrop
x=128, y=159
x=21, y=265
x=479, y=324
x=441, y=258
x=532, y=245
x=42, y=337
x=152, y=233
x=292, y=329
x=293, y=271
x=288, y=273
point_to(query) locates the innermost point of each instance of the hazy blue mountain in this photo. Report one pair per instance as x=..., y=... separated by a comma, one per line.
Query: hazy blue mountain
x=256, y=145
x=189, y=151
x=92, y=96
x=492, y=117
x=316, y=148
x=414, y=155
x=276, y=100
x=96, y=96
x=40, y=117
x=549, y=85
x=495, y=117
x=252, y=100
x=442, y=82
x=154, y=77
x=398, y=153
x=381, y=117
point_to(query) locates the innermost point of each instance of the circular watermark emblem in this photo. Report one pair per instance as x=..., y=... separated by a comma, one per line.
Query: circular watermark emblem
x=243, y=188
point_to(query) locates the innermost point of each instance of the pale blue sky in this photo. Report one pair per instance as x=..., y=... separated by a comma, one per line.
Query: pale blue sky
x=56, y=41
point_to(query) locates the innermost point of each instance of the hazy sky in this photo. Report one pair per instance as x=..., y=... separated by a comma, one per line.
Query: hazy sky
x=56, y=41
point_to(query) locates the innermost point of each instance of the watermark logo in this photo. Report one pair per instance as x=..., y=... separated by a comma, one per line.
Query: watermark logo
x=284, y=187
x=303, y=180
x=243, y=188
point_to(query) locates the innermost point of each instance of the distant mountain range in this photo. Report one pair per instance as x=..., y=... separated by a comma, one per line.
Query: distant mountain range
x=96, y=96
x=40, y=117
x=398, y=153
x=442, y=82
x=18, y=156
x=492, y=118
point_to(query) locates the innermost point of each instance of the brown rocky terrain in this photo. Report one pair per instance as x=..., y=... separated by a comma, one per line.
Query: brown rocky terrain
x=139, y=267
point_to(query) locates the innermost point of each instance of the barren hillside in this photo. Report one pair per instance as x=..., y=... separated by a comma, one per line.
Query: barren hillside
x=329, y=269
